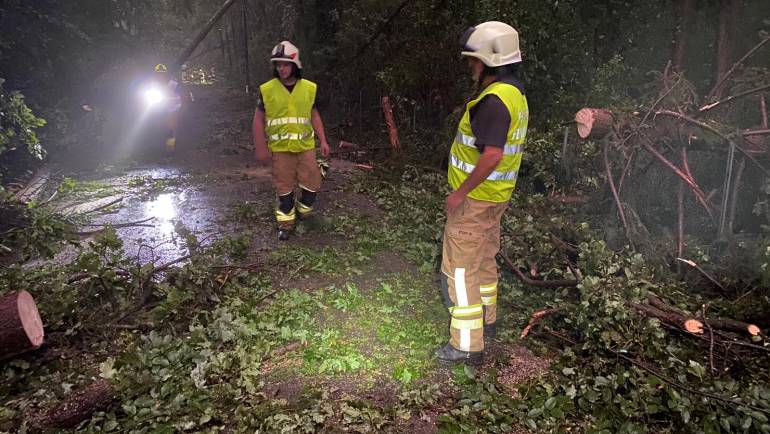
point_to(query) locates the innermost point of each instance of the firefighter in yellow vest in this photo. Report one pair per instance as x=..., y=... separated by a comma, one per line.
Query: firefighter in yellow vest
x=285, y=125
x=483, y=165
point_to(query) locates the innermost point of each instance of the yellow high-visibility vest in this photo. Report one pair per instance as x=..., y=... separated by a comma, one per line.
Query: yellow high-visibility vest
x=464, y=155
x=287, y=115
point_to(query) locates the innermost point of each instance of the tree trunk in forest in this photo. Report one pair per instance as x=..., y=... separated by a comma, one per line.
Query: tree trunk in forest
x=594, y=123
x=202, y=34
x=685, y=17
x=728, y=17
x=21, y=328
x=76, y=408
x=387, y=108
x=289, y=19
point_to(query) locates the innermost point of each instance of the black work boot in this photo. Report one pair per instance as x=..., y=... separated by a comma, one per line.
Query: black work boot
x=490, y=333
x=450, y=356
x=283, y=234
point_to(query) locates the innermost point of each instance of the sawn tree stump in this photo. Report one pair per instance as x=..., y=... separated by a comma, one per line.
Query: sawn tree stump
x=594, y=123
x=21, y=328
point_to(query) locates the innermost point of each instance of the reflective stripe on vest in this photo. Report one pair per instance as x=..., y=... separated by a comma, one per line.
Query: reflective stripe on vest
x=464, y=156
x=288, y=114
x=494, y=176
x=288, y=120
x=290, y=136
x=510, y=148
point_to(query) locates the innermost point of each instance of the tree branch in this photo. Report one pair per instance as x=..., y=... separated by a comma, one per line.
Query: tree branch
x=735, y=66
x=539, y=283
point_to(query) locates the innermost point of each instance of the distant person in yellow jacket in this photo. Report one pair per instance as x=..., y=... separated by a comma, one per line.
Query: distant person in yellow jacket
x=286, y=122
x=483, y=167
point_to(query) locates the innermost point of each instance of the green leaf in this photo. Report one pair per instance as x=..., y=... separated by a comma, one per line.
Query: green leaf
x=106, y=369
x=470, y=371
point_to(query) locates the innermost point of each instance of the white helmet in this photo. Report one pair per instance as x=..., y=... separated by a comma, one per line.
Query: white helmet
x=494, y=43
x=286, y=52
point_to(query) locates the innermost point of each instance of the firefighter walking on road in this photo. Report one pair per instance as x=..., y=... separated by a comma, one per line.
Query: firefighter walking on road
x=483, y=166
x=286, y=122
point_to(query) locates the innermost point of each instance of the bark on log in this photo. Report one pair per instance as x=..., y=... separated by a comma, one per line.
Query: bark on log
x=731, y=325
x=387, y=109
x=594, y=123
x=21, y=328
x=690, y=325
x=76, y=408
x=671, y=315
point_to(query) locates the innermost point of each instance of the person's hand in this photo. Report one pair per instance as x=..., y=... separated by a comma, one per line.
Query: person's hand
x=263, y=157
x=325, y=149
x=453, y=201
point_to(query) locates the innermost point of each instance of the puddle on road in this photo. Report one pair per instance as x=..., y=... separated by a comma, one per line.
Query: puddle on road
x=164, y=210
x=177, y=202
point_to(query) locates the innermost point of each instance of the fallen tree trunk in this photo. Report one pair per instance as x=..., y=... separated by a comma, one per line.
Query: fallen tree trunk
x=32, y=190
x=76, y=408
x=21, y=328
x=185, y=54
x=594, y=123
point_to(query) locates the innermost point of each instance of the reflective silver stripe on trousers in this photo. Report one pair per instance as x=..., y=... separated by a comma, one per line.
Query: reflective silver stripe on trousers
x=290, y=136
x=471, y=141
x=494, y=176
x=288, y=120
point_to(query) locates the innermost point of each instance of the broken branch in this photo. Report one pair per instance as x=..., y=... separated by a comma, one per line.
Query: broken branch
x=731, y=98
x=735, y=66
x=535, y=318
x=539, y=283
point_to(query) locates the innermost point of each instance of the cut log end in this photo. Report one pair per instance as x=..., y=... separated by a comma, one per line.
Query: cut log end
x=753, y=330
x=594, y=123
x=30, y=319
x=693, y=326
x=21, y=328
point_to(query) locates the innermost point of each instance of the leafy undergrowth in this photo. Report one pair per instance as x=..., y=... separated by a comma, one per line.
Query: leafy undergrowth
x=330, y=337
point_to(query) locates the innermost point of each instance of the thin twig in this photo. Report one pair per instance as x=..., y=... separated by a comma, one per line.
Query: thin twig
x=538, y=283
x=735, y=66
x=704, y=272
x=732, y=98
x=655, y=104
x=713, y=130
x=678, y=385
x=101, y=207
x=693, y=185
x=224, y=281
x=136, y=224
x=626, y=171
x=167, y=265
x=615, y=193
x=704, y=308
x=680, y=225
x=535, y=318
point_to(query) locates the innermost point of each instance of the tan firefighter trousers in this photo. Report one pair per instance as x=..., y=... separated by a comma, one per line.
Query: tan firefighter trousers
x=469, y=268
x=290, y=170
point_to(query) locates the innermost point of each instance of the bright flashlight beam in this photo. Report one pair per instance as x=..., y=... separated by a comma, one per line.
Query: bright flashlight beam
x=153, y=96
